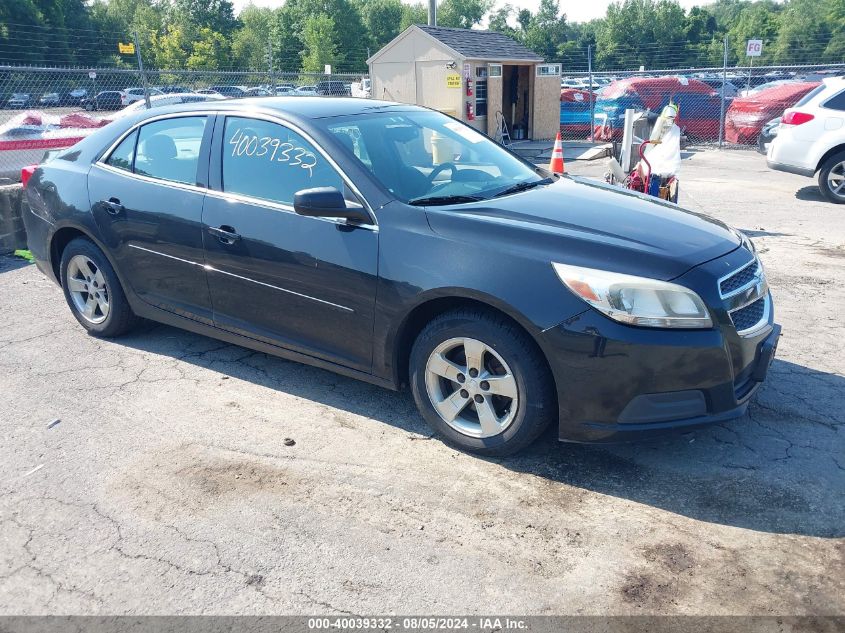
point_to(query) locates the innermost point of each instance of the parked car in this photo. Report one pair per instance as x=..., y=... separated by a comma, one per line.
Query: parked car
x=168, y=90
x=74, y=97
x=20, y=101
x=105, y=100
x=50, y=100
x=232, y=92
x=285, y=87
x=258, y=92
x=731, y=90
x=285, y=92
x=747, y=115
x=159, y=101
x=575, y=113
x=306, y=91
x=131, y=95
x=748, y=92
x=811, y=139
x=700, y=107
x=327, y=231
x=333, y=88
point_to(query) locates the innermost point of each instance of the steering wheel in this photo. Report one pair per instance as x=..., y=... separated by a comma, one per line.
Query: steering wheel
x=440, y=169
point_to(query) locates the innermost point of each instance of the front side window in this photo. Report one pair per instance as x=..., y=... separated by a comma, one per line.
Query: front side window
x=420, y=155
x=169, y=149
x=262, y=159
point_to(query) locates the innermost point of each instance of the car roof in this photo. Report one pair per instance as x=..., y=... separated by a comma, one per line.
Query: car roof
x=299, y=107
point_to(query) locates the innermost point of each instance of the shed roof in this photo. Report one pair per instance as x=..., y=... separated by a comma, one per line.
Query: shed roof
x=477, y=44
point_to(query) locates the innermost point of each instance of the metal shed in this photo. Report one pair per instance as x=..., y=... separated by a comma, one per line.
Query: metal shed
x=481, y=77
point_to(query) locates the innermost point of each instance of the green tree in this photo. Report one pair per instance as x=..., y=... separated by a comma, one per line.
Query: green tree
x=322, y=44
x=462, y=14
x=209, y=51
x=382, y=20
x=250, y=43
x=416, y=13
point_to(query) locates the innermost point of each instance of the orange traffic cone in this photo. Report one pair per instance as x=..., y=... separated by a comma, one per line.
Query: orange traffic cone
x=556, y=164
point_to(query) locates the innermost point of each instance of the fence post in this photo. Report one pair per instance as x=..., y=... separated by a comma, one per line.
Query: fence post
x=724, y=81
x=592, y=94
x=141, y=70
x=270, y=65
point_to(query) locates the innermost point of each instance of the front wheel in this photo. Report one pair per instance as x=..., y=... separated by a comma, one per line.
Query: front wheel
x=481, y=383
x=93, y=291
x=832, y=179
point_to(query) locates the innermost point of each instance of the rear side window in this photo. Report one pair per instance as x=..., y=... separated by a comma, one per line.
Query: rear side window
x=836, y=102
x=266, y=160
x=123, y=154
x=170, y=149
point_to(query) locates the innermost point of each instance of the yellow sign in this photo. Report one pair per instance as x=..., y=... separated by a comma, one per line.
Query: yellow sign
x=126, y=49
x=453, y=80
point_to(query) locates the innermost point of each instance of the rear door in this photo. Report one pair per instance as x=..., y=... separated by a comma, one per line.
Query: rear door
x=304, y=283
x=146, y=196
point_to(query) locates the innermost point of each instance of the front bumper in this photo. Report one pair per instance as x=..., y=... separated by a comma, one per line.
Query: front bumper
x=618, y=383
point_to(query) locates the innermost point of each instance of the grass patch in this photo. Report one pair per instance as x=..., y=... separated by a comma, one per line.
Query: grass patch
x=25, y=255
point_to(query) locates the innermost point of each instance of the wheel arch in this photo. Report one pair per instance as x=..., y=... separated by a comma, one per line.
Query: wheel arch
x=63, y=236
x=831, y=152
x=433, y=306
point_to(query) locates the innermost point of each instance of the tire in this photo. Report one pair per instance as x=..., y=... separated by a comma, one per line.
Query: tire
x=832, y=171
x=83, y=268
x=511, y=361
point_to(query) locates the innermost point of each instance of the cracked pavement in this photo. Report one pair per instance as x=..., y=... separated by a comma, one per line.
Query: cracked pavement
x=167, y=486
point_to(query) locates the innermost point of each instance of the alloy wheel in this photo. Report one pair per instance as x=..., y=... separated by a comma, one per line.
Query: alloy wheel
x=471, y=387
x=88, y=289
x=836, y=180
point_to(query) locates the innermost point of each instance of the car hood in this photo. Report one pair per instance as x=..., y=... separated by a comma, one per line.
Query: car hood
x=586, y=223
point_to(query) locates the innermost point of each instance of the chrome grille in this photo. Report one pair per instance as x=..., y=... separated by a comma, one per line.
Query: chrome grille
x=749, y=316
x=740, y=279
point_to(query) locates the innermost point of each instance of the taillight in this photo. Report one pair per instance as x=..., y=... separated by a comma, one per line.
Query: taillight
x=26, y=174
x=792, y=117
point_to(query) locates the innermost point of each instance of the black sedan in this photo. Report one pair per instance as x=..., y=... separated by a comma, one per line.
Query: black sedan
x=399, y=246
x=106, y=100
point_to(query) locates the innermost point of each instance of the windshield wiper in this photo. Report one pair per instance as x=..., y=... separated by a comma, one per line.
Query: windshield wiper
x=434, y=200
x=523, y=186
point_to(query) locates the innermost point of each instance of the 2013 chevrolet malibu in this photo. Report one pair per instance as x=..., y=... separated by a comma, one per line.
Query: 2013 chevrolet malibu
x=397, y=245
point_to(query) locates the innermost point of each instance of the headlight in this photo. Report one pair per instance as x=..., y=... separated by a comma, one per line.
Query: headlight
x=636, y=300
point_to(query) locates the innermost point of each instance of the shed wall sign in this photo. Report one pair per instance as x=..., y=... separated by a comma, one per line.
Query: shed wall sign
x=453, y=80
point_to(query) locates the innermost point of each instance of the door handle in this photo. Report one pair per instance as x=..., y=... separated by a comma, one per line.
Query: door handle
x=226, y=234
x=113, y=206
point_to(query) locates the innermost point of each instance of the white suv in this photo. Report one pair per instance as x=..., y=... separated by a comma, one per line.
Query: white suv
x=811, y=139
x=131, y=95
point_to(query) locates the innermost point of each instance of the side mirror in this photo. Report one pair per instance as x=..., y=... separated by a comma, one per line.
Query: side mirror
x=328, y=202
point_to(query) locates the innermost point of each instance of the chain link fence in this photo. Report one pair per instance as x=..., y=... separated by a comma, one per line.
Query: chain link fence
x=736, y=107
x=44, y=109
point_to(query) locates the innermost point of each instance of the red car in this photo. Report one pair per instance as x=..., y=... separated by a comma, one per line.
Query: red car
x=699, y=104
x=747, y=115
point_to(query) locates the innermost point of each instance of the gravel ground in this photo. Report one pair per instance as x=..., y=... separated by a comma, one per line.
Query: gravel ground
x=168, y=487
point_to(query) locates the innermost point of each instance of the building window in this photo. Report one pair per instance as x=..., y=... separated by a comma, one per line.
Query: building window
x=481, y=91
x=548, y=70
x=494, y=70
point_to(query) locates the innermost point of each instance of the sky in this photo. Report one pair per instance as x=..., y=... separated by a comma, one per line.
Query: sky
x=575, y=10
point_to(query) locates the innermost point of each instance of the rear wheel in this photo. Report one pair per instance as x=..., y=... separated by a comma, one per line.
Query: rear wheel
x=832, y=179
x=93, y=291
x=480, y=383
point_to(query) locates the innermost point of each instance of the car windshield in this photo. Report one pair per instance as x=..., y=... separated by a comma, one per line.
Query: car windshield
x=425, y=157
